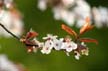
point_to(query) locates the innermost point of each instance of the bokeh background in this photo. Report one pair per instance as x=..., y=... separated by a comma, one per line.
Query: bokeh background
x=43, y=23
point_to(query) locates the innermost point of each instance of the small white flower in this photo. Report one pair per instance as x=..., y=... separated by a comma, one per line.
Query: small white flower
x=63, y=45
x=47, y=47
x=46, y=50
x=49, y=43
x=70, y=46
x=57, y=44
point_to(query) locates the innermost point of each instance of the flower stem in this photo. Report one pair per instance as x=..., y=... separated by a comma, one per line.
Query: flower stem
x=15, y=35
x=9, y=31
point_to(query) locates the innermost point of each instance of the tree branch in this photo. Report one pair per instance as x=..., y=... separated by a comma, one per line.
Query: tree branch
x=15, y=35
x=9, y=31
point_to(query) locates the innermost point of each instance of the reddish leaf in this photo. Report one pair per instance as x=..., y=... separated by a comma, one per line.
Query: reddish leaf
x=88, y=40
x=31, y=35
x=69, y=30
x=86, y=26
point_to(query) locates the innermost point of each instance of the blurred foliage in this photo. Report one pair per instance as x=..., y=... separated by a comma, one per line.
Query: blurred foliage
x=43, y=23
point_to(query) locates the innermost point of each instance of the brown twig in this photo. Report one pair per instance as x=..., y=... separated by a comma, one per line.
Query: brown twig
x=27, y=44
x=9, y=31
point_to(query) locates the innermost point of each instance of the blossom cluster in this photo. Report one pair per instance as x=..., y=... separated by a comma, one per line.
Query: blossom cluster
x=75, y=11
x=67, y=44
x=11, y=18
x=51, y=42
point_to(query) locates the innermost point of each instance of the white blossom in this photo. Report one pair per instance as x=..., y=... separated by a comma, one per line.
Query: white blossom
x=48, y=45
x=57, y=44
x=69, y=46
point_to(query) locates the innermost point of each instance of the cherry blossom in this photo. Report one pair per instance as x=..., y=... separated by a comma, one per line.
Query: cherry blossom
x=52, y=42
x=57, y=44
x=48, y=45
x=68, y=45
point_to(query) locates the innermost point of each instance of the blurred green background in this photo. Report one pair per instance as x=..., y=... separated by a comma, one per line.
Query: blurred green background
x=43, y=23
